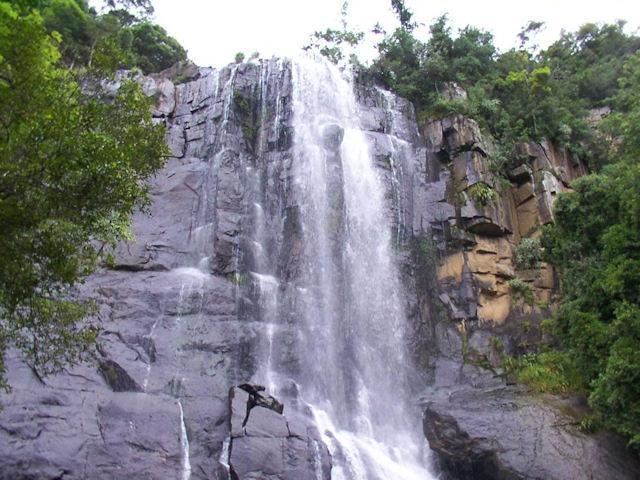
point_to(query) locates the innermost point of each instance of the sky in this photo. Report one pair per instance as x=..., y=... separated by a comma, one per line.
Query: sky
x=213, y=31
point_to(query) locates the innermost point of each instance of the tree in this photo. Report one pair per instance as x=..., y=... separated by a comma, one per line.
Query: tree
x=595, y=243
x=115, y=39
x=403, y=13
x=153, y=49
x=624, y=123
x=74, y=24
x=331, y=42
x=72, y=169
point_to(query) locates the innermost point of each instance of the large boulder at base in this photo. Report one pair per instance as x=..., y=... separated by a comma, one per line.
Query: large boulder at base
x=505, y=433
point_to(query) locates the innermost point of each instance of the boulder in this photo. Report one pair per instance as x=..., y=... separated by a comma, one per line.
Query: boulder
x=262, y=445
x=506, y=433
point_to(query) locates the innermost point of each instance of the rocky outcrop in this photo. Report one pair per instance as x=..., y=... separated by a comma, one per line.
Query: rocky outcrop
x=495, y=292
x=174, y=337
x=479, y=220
x=504, y=433
x=179, y=307
x=264, y=443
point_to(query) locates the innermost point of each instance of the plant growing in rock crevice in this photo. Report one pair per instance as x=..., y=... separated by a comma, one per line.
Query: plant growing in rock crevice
x=481, y=193
x=521, y=290
x=248, y=118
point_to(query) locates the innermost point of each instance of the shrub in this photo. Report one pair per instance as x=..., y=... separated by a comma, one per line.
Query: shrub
x=545, y=372
x=481, y=193
x=528, y=253
x=521, y=290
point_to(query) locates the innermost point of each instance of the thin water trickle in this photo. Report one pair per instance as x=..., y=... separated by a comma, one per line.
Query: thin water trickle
x=224, y=456
x=184, y=445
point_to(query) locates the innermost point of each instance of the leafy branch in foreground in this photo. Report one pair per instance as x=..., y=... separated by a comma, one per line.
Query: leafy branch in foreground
x=73, y=167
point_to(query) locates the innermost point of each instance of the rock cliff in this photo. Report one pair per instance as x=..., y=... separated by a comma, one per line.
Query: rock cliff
x=183, y=316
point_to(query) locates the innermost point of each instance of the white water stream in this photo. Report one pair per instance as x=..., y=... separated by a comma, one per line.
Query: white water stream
x=350, y=335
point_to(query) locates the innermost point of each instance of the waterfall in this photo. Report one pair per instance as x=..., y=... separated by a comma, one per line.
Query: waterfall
x=313, y=264
x=348, y=353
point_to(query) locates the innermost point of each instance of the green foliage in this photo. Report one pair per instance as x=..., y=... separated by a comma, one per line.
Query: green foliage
x=594, y=244
x=334, y=44
x=443, y=107
x=239, y=58
x=403, y=13
x=518, y=95
x=73, y=170
x=528, y=253
x=545, y=372
x=590, y=61
x=152, y=49
x=481, y=193
x=523, y=95
x=330, y=42
x=115, y=39
x=521, y=290
x=624, y=122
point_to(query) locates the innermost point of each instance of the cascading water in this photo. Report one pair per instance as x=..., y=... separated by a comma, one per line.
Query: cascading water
x=315, y=262
x=348, y=350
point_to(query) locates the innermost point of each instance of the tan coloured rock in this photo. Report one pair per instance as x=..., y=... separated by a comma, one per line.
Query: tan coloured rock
x=494, y=309
x=498, y=246
x=543, y=295
x=481, y=262
x=505, y=270
x=527, y=215
x=523, y=193
x=486, y=281
x=451, y=268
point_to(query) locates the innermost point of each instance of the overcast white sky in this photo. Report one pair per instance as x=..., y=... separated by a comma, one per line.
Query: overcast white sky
x=214, y=30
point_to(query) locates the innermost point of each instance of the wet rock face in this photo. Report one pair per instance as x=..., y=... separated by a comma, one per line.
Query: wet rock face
x=332, y=136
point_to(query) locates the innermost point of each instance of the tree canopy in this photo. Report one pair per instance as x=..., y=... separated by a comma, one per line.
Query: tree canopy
x=595, y=244
x=116, y=38
x=73, y=165
x=518, y=95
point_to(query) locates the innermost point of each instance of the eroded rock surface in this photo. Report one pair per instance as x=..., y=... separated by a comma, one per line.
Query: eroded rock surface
x=179, y=307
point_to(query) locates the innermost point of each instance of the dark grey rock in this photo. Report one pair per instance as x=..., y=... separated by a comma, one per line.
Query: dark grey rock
x=117, y=377
x=263, y=446
x=506, y=433
x=332, y=135
x=264, y=422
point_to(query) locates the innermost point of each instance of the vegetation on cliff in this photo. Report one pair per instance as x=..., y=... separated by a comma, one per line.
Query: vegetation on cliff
x=116, y=38
x=595, y=243
x=73, y=163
